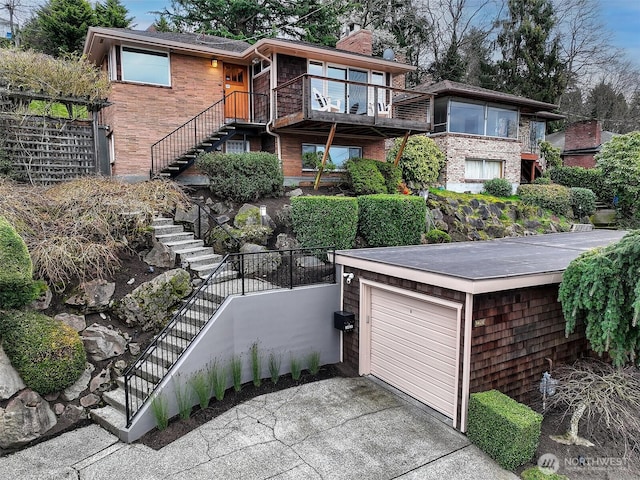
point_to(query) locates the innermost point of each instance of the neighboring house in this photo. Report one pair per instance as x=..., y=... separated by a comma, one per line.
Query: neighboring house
x=580, y=142
x=487, y=134
x=5, y=28
x=175, y=95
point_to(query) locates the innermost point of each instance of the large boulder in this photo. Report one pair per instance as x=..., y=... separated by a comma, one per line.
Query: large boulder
x=10, y=381
x=26, y=418
x=149, y=304
x=102, y=343
x=94, y=296
x=260, y=261
x=160, y=256
x=77, y=322
x=72, y=392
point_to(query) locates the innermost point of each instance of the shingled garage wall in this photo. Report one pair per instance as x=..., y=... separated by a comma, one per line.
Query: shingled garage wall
x=513, y=333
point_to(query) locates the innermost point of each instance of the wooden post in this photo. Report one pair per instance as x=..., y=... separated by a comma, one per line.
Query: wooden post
x=325, y=155
x=402, y=145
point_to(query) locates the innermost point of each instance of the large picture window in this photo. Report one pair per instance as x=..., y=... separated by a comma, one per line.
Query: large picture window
x=476, y=119
x=482, y=169
x=337, y=154
x=144, y=66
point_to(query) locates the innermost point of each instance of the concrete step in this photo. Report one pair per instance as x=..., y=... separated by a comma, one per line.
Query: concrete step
x=203, y=271
x=167, y=229
x=174, y=237
x=161, y=221
x=185, y=254
x=196, y=317
x=212, y=258
x=163, y=356
x=185, y=244
x=152, y=372
x=187, y=329
x=109, y=418
x=139, y=387
x=174, y=343
x=203, y=305
x=115, y=398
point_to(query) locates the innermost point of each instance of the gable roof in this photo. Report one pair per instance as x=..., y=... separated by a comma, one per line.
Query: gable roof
x=448, y=87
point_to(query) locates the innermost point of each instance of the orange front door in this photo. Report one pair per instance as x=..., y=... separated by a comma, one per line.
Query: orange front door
x=236, y=91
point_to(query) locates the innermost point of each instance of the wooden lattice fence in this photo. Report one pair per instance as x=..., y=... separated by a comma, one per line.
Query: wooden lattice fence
x=48, y=150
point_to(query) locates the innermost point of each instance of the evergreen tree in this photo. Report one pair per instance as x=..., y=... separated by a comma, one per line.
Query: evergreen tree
x=451, y=66
x=476, y=56
x=112, y=14
x=530, y=65
x=608, y=106
x=162, y=25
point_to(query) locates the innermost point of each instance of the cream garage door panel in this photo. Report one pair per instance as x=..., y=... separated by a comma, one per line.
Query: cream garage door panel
x=414, y=347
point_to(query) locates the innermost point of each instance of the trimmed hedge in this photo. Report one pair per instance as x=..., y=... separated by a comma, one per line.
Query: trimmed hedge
x=17, y=287
x=48, y=355
x=556, y=198
x=320, y=221
x=498, y=187
x=506, y=430
x=242, y=177
x=583, y=202
x=367, y=177
x=590, y=178
x=390, y=220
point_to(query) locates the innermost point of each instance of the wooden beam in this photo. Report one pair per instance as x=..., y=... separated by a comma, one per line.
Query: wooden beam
x=325, y=155
x=402, y=145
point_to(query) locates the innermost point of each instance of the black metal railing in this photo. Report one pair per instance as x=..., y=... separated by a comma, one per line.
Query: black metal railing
x=212, y=224
x=200, y=132
x=253, y=272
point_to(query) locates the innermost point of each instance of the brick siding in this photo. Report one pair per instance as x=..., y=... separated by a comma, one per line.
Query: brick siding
x=360, y=41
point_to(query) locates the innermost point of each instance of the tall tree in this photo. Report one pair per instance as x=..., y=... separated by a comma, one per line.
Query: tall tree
x=314, y=21
x=112, y=14
x=476, y=52
x=59, y=27
x=530, y=65
x=609, y=106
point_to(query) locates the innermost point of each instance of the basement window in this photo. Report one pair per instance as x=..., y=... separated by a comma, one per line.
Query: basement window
x=482, y=169
x=337, y=154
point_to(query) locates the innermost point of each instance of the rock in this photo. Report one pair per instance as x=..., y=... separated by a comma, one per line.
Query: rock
x=89, y=400
x=100, y=380
x=223, y=219
x=74, y=414
x=119, y=367
x=294, y=193
x=51, y=397
x=149, y=304
x=94, y=296
x=26, y=418
x=43, y=302
x=190, y=217
x=221, y=208
x=10, y=381
x=77, y=322
x=58, y=408
x=134, y=349
x=484, y=212
x=102, y=343
x=160, y=256
x=436, y=214
x=74, y=391
x=247, y=215
x=285, y=242
x=309, y=262
x=262, y=262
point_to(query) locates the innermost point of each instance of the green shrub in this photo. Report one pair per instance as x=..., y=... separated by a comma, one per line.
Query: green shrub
x=551, y=155
x=534, y=473
x=421, y=161
x=556, y=198
x=17, y=287
x=437, y=236
x=590, y=178
x=390, y=220
x=366, y=176
x=325, y=221
x=542, y=181
x=242, y=177
x=48, y=355
x=506, y=430
x=583, y=202
x=498, y=187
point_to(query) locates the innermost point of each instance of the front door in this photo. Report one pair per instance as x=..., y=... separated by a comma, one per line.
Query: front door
x=236, y=91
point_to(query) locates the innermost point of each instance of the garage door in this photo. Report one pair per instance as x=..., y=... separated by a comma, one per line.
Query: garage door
x=414, y=347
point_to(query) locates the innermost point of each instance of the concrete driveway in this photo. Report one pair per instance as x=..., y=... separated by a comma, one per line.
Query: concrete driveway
x=343, y=428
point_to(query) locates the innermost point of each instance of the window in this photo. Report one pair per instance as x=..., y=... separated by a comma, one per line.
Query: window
x=537, y=130
x=502, y=122
x=482, y=169
x=312, y=154
x=466, y=118
x=144, y=66
x=236, y=146
x=475, y=119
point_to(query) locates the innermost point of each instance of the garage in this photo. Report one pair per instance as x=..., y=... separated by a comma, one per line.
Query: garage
x=413, y=345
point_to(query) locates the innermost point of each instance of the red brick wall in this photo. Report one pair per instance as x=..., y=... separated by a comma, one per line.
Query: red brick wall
x=143, y=114
x=360, y=41
x=585, y=134
x=586, y=161
x=521, y=329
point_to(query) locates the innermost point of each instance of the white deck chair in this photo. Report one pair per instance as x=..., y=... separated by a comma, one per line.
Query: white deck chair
x=325, y=102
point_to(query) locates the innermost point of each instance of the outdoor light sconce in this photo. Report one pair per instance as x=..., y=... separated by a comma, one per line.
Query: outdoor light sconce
x=344, y=321
x=348, y=277
x=214, y=62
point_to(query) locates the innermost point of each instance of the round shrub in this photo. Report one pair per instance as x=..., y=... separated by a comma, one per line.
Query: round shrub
x=542, y=181
x=553, y=197
x=363, y=176
x=16, y=272
x=48, y=355
x=421, y=161
x=437, y=236
x=498, y=187
x=583, y=202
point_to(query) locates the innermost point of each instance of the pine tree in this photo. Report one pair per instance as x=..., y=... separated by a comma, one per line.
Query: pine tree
x=530, y=64
x=112, y=14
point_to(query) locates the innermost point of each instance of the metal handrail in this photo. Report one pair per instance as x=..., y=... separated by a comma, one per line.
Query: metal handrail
x=203, y=208
x=207, y=299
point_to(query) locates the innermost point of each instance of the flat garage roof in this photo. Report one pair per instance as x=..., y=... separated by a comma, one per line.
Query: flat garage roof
x=482, y=266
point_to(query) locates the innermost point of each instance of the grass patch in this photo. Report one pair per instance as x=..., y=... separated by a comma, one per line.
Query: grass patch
x=295, y=367
x=313, y=363
x=183, y=398
x=274, y=367
x=235, y=367
x=160, y=410
x=200, y=385
x=216, y=376
x=256, y=365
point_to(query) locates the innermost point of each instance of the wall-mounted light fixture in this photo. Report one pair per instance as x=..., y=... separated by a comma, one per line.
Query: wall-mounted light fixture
x=214, y=62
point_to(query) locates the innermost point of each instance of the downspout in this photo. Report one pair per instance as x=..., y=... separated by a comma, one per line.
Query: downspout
x=272, y=81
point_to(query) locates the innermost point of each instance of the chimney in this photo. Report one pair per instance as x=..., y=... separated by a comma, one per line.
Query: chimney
x=586, y=134
x=356, y=40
